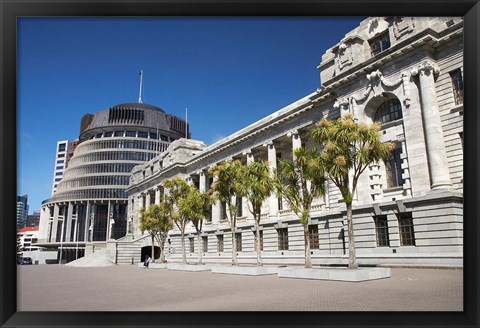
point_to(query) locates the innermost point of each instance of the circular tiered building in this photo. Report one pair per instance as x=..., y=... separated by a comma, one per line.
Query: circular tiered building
x=90, y=203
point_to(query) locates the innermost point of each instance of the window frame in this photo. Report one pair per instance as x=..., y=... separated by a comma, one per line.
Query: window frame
x=282, y=237
x=393, y=165
x=456, y=77
x=314, y=236
x=381, y=231
x=220, y=244
x=379, y=41
x=406, y=229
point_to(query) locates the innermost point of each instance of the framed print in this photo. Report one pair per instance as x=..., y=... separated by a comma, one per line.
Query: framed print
x=411, y=71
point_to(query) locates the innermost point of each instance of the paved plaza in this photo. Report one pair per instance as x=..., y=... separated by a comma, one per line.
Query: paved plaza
x=130, y=288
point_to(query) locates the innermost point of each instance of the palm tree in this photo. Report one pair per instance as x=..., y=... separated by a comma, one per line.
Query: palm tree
x=257, y=187
x=299, y=182
x=196, y=207
x=177, y=192
x=148, y=223
x=227, y=188
x=347, y=150
x=161, y=214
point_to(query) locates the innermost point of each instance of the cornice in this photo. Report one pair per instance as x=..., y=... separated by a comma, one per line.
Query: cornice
x=425, y=37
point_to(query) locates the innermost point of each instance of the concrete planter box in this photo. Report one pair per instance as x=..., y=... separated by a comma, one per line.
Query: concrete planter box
x=188, y=267
x=336, y=274
x=245, y=270
x=158, y=265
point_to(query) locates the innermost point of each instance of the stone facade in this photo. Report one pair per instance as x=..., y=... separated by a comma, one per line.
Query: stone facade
x=407, y=73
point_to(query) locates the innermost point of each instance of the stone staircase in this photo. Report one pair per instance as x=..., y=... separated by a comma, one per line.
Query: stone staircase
x=97, y=259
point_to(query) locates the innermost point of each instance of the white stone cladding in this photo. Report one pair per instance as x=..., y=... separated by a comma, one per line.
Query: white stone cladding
x=413, y=70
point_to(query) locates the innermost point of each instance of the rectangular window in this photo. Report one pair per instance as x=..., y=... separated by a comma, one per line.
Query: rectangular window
x=61, y=147
x=223, y=215
x=164, y=138
x=208, y=217
x=219, y=243
x=118, y=134
x=61, y=155
x=131, y=134
x=239, y=204
x=380, y=43
x=282, y=239
x=405, y=227
x=313, y=232
x=142, y=134
x=205, y=243
x=192, y=244
x=457, y=86
x=57, y=179
x=60, y=161
x=381, y=230
x=280, y=203
x=60, y=167
x=393, y=168
x=58, y=173
x=238, y=238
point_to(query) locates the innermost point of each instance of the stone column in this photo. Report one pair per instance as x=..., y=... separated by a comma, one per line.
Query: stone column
x=216, y=208
x=87, y=221
x=343, y=105
x=55, y=222
x=202, y=185
x=158, y=194
x=250, y=159
x=68, y=222
x=296, y=141
x=272, y=164
x=437, y=156
x=147, y=200
x=109, y=222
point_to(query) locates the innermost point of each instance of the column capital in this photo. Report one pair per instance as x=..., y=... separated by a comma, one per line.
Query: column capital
x=247, y=152
x=425, y=66
x=269, y=144
x=292, y=133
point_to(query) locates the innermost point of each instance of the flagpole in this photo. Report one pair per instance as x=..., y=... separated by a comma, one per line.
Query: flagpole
x=140, y=92
x=186, y=123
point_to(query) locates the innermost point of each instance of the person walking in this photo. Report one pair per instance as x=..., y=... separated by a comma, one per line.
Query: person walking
x=147, y=261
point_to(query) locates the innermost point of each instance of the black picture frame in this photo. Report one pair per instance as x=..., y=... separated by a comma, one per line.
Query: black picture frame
x=10, y=10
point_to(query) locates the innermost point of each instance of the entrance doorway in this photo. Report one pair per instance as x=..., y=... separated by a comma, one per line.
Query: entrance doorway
x=147, y=250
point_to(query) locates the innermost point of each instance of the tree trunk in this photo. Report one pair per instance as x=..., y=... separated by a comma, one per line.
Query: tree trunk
x=352, y=261
x=257, y=242
x=199, y=242
x=184, y=256
x=308, y=257
x=234, y=247
x=153, y=248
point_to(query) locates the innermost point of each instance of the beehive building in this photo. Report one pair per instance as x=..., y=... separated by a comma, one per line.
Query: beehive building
x=90, y=203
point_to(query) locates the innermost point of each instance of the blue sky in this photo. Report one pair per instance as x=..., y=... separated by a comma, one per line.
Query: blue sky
x=228, y=71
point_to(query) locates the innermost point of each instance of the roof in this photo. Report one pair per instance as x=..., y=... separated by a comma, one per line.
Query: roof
x=27, y=229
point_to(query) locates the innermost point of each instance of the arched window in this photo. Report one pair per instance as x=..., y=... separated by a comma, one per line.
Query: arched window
x=390, y=110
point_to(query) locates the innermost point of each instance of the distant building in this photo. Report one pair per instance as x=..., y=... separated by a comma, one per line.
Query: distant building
x=22, y=210
x=33, y=220
x=26, y=237
x=63, y=153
